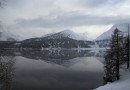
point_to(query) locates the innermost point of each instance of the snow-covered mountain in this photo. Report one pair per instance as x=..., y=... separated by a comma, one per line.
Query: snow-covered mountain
x=63, y=39
x=66, y=34
x=107, y=35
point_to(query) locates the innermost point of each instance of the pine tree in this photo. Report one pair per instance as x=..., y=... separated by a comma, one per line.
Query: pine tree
x=113, y=57
x=128, y=48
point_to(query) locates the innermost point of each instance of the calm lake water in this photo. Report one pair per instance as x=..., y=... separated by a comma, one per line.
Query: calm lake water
x=51, y=70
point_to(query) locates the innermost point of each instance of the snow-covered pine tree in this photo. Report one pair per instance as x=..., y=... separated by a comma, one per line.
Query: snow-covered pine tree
x=113, y=57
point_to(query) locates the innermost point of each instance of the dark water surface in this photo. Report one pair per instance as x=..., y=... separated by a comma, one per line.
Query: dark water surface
x=52, y=70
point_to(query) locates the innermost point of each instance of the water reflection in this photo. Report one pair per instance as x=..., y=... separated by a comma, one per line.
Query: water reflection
x=82, y=74
x=55, y=70
x=55, y=56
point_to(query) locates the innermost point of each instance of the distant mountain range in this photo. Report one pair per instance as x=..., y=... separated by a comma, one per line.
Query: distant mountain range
x=10, y=36
x=63, y=39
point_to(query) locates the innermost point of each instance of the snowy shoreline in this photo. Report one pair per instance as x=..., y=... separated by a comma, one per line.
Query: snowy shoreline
x=122, y=84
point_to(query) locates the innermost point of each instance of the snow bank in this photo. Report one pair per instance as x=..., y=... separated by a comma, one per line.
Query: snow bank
x=122, y=84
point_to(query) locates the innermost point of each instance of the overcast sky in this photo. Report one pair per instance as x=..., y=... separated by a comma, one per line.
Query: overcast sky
x=39, y=17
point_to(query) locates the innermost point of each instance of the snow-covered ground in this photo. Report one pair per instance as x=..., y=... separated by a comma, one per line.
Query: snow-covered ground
x=122, y=84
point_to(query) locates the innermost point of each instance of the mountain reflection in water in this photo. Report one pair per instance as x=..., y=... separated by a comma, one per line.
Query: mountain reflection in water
x=52, y=70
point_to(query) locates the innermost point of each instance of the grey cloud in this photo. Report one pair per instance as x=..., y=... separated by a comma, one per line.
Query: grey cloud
x=98, y=3
x=95, y=3
x=25, y=4
x=71, y=21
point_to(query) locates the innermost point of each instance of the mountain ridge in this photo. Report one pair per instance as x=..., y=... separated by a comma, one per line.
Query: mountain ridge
x=66, y=34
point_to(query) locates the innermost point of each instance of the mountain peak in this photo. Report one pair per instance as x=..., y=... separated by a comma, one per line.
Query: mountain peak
x=66, y=34
x=67, y=30
x=121, y=26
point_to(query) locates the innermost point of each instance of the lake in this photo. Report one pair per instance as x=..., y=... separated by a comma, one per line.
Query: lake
x=51, y=70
